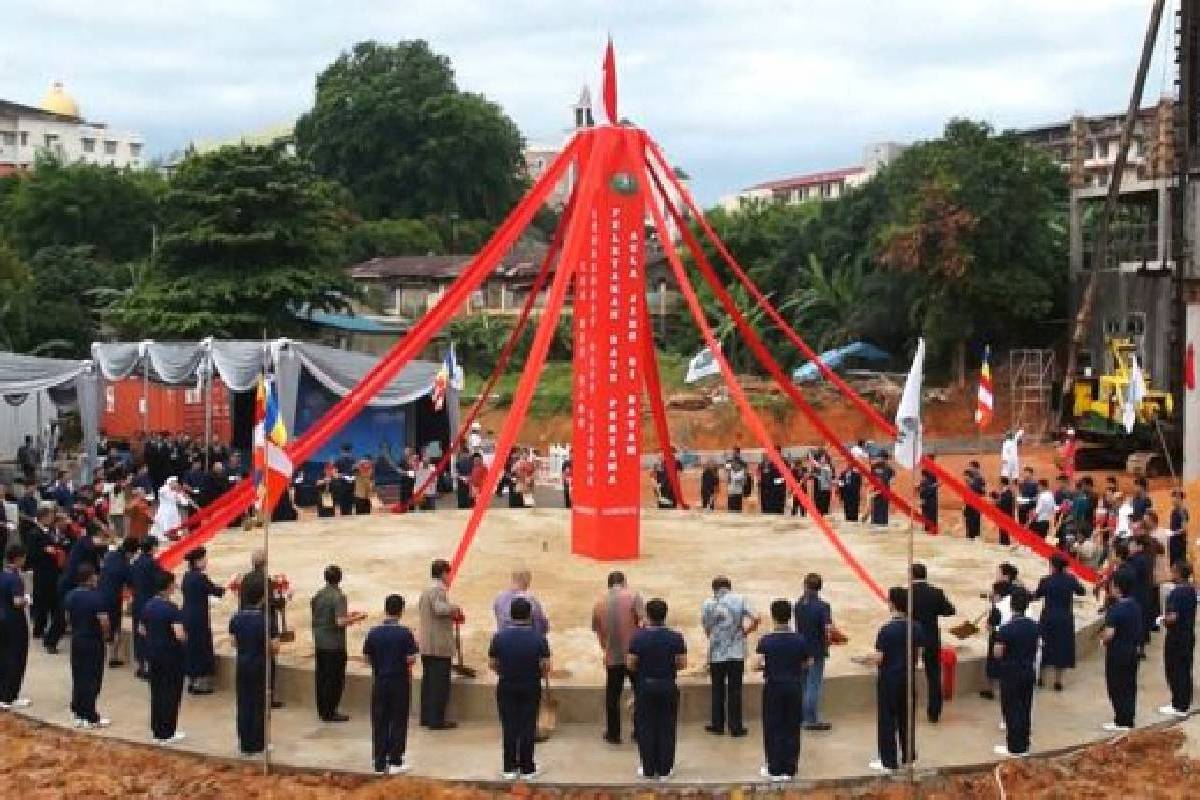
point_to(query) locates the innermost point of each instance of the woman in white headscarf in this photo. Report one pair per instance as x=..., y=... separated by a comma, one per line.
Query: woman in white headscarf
x=167, y=518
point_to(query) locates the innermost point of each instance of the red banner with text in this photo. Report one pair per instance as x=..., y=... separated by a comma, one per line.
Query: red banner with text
x=606, y=452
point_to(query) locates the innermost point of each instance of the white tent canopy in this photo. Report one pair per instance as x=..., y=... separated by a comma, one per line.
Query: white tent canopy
x=24, y=375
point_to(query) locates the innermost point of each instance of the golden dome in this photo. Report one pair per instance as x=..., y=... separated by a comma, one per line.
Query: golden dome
x=57, y=101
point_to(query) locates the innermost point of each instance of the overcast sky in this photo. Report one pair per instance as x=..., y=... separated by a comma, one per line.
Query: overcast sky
x=737, y=91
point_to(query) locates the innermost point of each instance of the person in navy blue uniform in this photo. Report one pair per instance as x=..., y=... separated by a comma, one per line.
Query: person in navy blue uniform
x=850, y=489
x=162, y=625
x=248, y=627
x=391, y=650
x=656, y=653
x=893, y=724
x=1057, y=622
x=814, y=621
x=973, y=478
x=1122, y=637
x=14, y=629
x=520, y=655
x=927, y=492
x=1140, y=502
x=343, y=491
x=1140, y=565
x=784, y=656
x=200, y=662
x=1015, y=648
x=884, y=473
x=116, y=576
x=928, y=603
x=144, y=574
x=44, y=548
x=1179, y=617
x=1027, y=492
x=88, y=611
x=1006, y=503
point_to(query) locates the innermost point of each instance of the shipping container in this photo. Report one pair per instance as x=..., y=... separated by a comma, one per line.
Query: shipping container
x=128, y=413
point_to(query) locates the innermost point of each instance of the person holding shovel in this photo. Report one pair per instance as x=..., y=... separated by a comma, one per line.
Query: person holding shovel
x=436, y=616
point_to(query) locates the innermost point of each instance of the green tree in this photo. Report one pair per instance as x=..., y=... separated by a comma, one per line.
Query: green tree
x=390, y=237
x=249, y=236
x=391, y=125
x=113, y=211
x=48, y=314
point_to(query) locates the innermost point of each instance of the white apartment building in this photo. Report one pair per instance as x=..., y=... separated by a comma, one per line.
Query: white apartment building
x=58, y=127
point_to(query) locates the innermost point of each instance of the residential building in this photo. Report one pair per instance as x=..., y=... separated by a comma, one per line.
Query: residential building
x=57, y=127
x=826, y=185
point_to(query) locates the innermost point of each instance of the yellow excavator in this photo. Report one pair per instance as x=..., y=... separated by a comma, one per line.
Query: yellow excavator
x=1098, y=412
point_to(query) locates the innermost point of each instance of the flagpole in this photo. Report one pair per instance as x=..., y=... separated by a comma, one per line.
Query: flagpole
x=267, y=589
x=909, y=711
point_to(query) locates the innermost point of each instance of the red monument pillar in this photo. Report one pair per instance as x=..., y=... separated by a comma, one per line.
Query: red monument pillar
x=607, y=393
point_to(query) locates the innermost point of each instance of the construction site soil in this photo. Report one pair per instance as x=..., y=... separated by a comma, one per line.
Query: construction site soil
x=45, y=763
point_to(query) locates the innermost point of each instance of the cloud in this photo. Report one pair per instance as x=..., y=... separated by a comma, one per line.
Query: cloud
x=736, y=91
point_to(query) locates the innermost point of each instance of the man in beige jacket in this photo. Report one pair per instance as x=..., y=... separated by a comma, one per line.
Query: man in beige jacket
x=437, y=616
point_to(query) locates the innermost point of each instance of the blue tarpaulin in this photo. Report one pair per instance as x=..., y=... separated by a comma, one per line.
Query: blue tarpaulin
x=836, y=357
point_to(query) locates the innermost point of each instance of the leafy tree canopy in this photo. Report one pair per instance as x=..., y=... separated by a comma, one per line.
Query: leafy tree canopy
x=111, y=210
x=391, y=125
x=51, y=312
x=249, y=235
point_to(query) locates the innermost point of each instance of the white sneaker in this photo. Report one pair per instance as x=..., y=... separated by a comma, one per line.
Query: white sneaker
x=642, y=775
x=763, y=772
x=103, y=722
x=1170, y=711
x=531, y=776
x=509, y=776
x=1003, y=726
x=21, y=702
x=780, y=778
x=178, y=737
x=878, y=766
x=1001, y=750
x=1113, y=727
x=5, y=706
x=398, y=769
x=76, y=722
x=667, y=777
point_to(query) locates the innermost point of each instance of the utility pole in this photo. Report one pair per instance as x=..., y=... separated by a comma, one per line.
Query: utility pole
x=1087, y=303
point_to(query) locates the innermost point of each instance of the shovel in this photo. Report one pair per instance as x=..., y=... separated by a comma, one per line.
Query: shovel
x=968, y=628
x=459, y=668
x=547, y=719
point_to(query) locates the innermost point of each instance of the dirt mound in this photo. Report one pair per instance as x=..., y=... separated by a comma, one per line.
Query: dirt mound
x=43, y=762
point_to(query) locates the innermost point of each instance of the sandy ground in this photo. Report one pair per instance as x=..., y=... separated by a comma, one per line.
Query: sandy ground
x=766, y=557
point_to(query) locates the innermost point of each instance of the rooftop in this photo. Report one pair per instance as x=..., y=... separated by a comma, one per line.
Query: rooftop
x=811, y=179
x=523, y=261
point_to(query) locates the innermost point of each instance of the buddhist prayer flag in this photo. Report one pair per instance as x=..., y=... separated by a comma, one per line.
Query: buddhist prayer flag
x=610, y=84
x=449, y=376
x=272, y=466
x=985, y=403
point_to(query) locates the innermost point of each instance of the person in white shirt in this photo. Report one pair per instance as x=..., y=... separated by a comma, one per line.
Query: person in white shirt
x=475, y=437
x=1044, y=509
x=167, y=517
x=1010, y=456
x=859, y=452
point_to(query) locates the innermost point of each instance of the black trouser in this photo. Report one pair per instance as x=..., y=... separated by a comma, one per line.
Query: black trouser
x=166, y=692
x=435, y=689
x=972, y=522
x=892, y=723
x=850, y=502
x=613, y=684
x=656, y=713
x=1016, y=706
x=821, y=499
x=87, y=673
x=330, y=675
x=782, y=705
x=362, y=505
x=463, y=490
x=1177, y=660
x=344, y=497
x=1041, y=528
x=518, y=707
x=708, y=500
x=798, y=509
x=727, y=694
x=389, y=720
x=250, y=683
x=14, y=654
x=47, y=604
x=735, y=502
x=1120, y=676
x=932, y=656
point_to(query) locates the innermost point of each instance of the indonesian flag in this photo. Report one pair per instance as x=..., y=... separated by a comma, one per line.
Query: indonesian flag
x=610, y=83
x=272, y=466
x=985, y=403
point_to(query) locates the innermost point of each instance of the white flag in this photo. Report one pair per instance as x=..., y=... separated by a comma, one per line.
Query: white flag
x=908, y=416
x=702, y=365
x=1133, y=395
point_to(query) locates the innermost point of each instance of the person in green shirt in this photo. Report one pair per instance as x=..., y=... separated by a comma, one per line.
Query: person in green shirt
x=330, y=618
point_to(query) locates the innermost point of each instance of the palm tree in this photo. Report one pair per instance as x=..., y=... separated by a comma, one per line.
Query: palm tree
x=832, y=304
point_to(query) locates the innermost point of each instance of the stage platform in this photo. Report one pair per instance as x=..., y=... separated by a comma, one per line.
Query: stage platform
x=766, y=558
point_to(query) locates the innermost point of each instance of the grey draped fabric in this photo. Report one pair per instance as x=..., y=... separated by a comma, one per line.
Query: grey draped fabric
x=87, y=398
x=339, y=371
x=239, y=363
x=21, y=374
